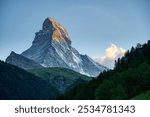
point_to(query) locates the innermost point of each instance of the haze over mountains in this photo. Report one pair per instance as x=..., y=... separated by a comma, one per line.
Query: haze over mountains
x=52, y=48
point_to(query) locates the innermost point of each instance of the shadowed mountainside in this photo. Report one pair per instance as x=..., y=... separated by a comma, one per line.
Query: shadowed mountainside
x=16, y=83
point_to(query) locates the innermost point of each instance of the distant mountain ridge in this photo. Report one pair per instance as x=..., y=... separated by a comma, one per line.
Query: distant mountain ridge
x=52, y=48
x=22, y=61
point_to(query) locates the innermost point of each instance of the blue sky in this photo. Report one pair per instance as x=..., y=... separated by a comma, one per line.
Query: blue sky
x=93, y=25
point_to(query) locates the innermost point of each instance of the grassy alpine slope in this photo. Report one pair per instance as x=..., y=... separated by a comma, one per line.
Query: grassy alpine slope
x=57, y=71
x=143, y=96
x=61, y=78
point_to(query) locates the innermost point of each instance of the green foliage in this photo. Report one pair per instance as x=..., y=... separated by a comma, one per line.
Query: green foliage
x=126, y=84
x=16, y=83
x=61, y=78
x=143, y=96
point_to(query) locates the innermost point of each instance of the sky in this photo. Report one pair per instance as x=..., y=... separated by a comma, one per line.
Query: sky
x=102, y=29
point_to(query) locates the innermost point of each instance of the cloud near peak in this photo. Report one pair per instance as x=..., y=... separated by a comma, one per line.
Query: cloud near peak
x=112, y=53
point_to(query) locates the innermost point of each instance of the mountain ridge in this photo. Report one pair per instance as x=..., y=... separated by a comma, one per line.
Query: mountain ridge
x=22, y=61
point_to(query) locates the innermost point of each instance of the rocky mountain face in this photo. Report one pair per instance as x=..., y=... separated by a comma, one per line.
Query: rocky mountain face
x=52, y=48
x=22, y=62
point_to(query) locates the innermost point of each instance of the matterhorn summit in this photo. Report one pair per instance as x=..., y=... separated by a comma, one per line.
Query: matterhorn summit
x=52, y=48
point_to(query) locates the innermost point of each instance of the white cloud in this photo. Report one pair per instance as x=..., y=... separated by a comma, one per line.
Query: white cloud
x=112, y=53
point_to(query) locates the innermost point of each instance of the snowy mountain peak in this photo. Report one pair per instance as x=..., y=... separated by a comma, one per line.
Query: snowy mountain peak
x=59, y=33
x=52, y=48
